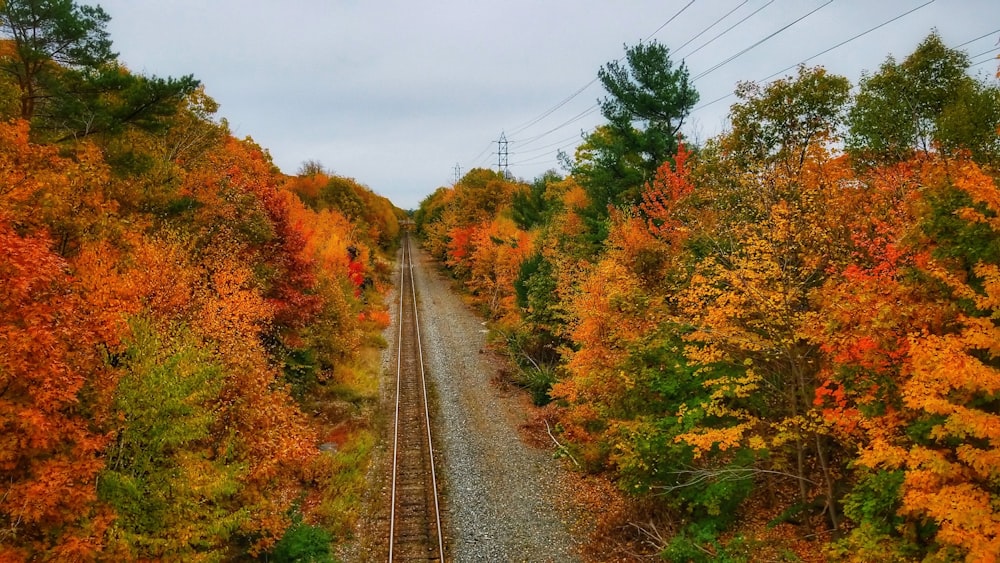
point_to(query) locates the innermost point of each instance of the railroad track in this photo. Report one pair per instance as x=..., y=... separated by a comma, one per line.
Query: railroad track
x=415, y=515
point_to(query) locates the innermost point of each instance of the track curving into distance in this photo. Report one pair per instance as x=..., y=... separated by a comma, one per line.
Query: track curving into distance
x=415, y=515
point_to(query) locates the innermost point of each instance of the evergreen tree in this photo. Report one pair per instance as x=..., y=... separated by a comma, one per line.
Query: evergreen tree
x=649, y=100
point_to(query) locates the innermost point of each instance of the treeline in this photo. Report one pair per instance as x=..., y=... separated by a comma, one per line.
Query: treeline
x=784, y=340
x=175, y=316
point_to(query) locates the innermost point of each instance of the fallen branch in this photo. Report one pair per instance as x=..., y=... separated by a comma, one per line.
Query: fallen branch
x=653, y=537
x=559, y=446
x=698, y=476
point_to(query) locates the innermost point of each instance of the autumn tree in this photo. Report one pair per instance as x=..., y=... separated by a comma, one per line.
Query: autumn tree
x=500, y=249
x=950, y=383
x=376, y=217
x=750, y=297
x=53, y=380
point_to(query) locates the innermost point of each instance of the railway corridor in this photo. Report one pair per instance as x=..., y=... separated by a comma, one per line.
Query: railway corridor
x=415, y=532
x=489, y=496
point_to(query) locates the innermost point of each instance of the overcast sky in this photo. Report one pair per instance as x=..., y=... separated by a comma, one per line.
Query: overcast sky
x=397, y=93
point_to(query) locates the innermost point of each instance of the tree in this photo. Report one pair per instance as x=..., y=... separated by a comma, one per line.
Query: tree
x=528, y=204
x=51, y=31
x=778, y=123
x=927, y=100
x=749, y=302
x=953, y=384
x=52, y=381
x=654, y=94
x=170, y=493
x=649, y=101
x=69, y=80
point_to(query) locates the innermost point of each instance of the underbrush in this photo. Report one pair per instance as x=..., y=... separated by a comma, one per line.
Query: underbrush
x=342, y=408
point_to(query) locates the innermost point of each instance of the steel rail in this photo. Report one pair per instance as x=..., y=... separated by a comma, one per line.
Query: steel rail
x=406, y=265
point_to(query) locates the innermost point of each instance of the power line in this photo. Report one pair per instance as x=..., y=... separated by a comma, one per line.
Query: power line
x=995, y=31
x=730, y=28
x=482, y=152
x=993, y=50
x=573, y=119
x=715, y=23
x=984, y=61
x=672, y=18
x=579, y=91
x=842, y=43
x=550, y=145
x=541, y=158
x=758, y=43
x=551, y=110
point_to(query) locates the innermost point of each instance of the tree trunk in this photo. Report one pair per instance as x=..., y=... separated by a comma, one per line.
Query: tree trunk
x=831, y=502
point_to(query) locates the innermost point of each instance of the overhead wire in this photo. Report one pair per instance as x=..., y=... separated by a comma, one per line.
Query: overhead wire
x=760, y=42
x=825, y=51
x=569, y=121
x=672, y=18
x=482, y=152
x=715, y=23
x=580, y=90
x=986, y=60
x=993, y=50
x=540, y=158
x=543, y=147
x=553, y=109
x=845, y=42
x=730, y=28
x=983, y=36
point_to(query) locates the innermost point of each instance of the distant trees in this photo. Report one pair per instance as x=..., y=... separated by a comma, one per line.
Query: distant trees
x=324, y=191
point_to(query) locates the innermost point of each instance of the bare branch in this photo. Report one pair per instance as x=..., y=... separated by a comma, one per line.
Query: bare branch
x=559, y=446
x=698, y=476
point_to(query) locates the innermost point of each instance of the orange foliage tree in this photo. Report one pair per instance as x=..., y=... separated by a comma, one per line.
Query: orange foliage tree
x=751, y=300
x=941, y=428
x=54, y=386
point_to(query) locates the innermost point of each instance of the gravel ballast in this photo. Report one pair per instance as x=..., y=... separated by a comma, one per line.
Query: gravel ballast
x=500, y=494
x=503, y=500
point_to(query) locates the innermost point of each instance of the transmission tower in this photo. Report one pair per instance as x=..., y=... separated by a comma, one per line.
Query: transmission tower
x=502, y=166
x=458, y=172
